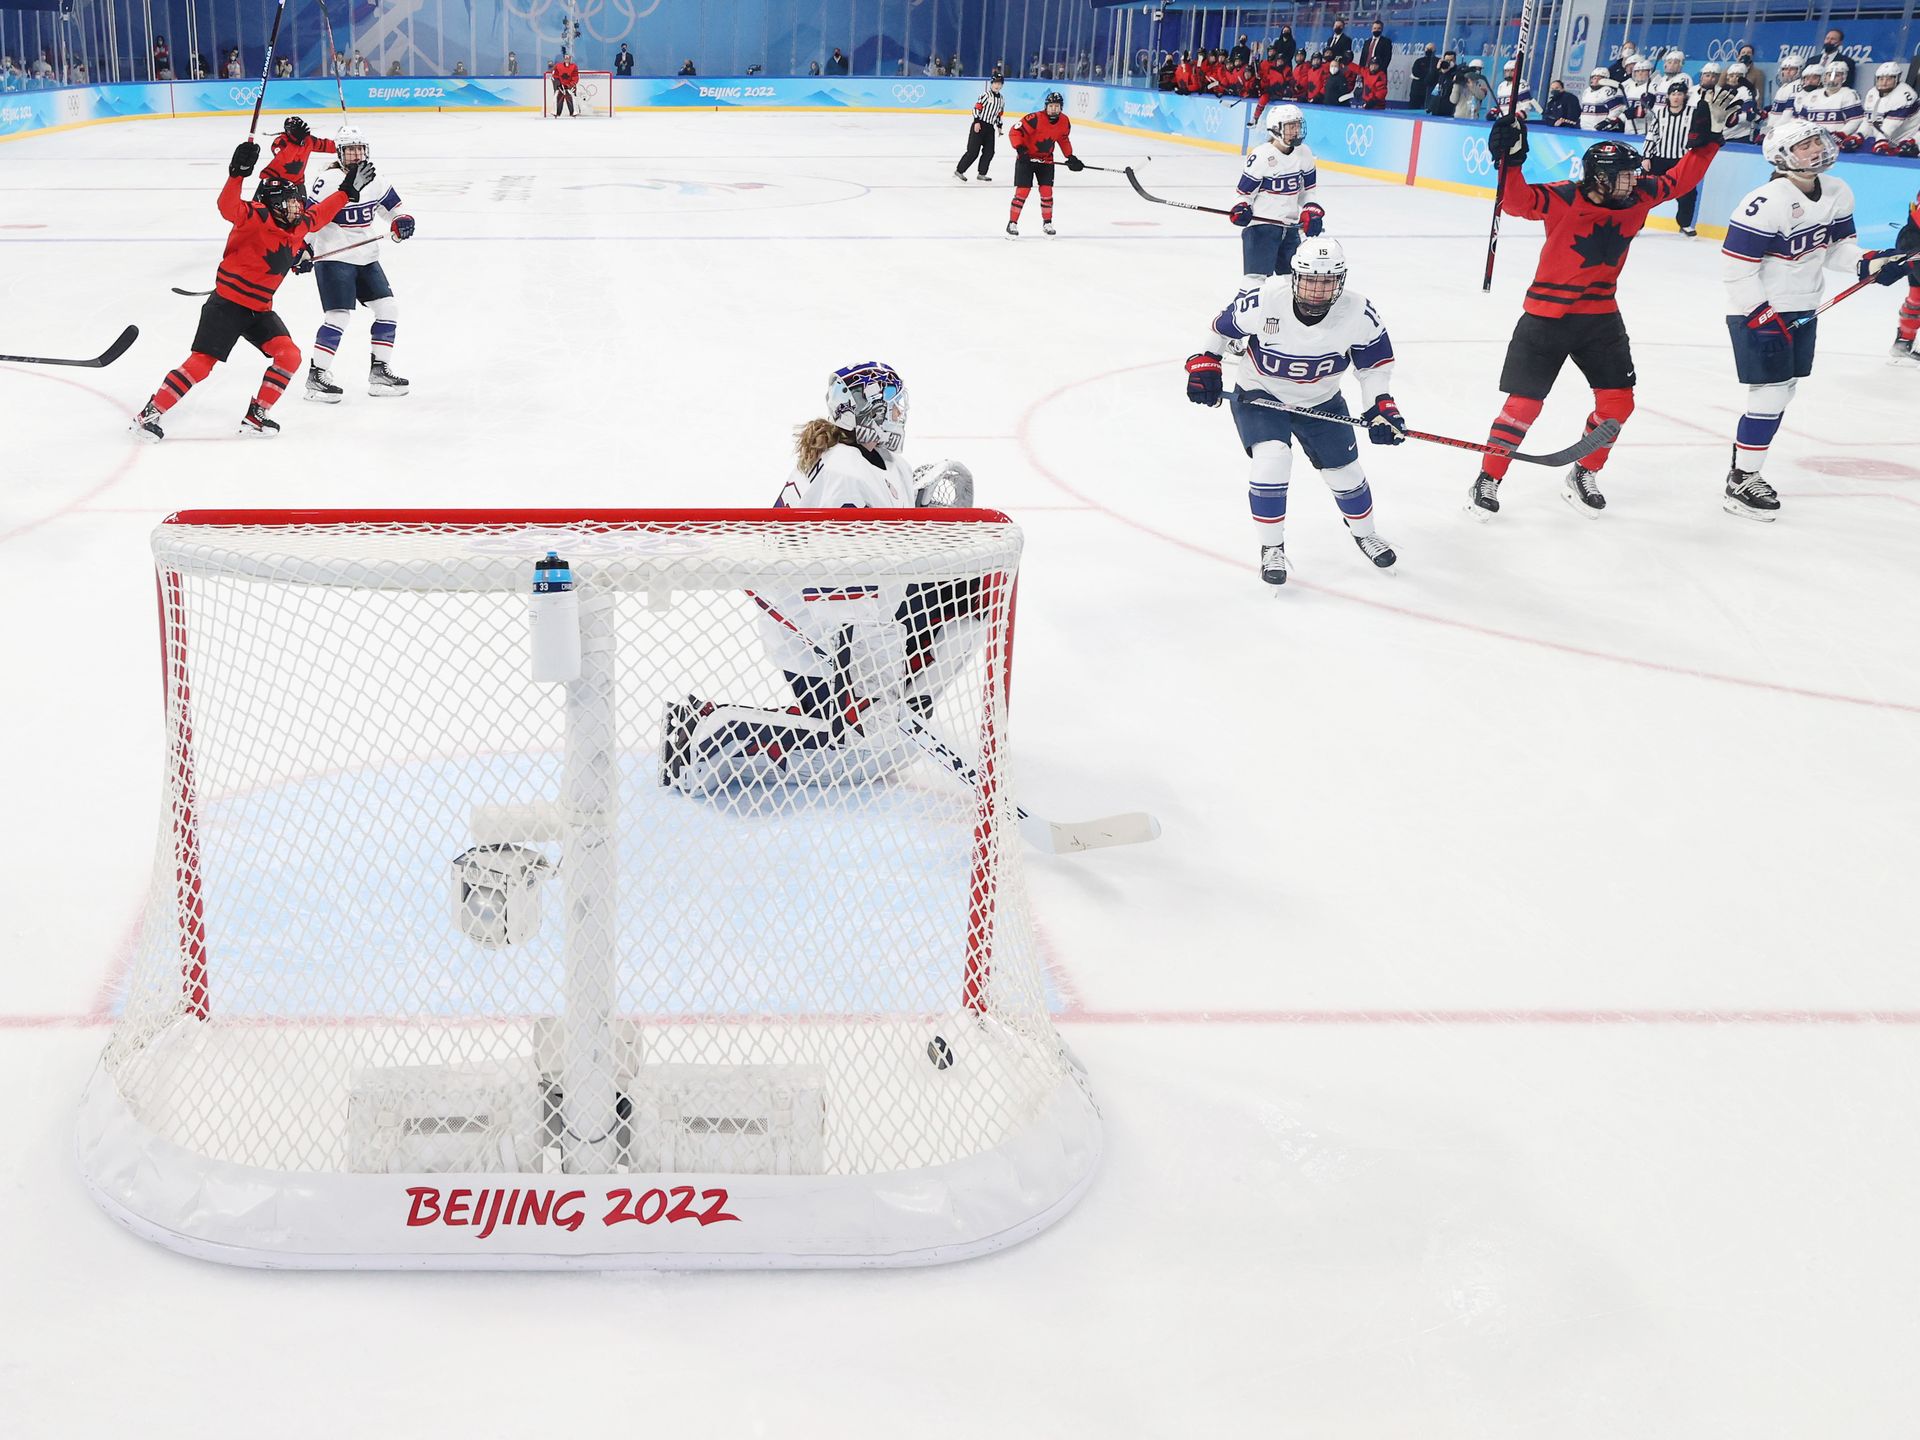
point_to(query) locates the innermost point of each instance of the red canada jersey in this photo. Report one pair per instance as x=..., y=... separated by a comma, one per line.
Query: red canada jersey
x=566, y=74
x=1037, y=134
x=1587, y=243
x=289, y=160
x=259, y=253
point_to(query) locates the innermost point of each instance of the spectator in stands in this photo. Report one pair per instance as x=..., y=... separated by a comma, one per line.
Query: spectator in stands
x=953, y=65
x=162, y=59
x=282, y=67
x=686, y=67
x=1163, y=78
x=1424, y=64
x=1622, y=67
x=1242, y=53
x=1370, y=92
x=199, y=67
x=77, y=73
x=1339, y=83
x=1376, y=47
x=359, y=66
x=460, y=69
x=1340, y=47
x=1561, y=108
x=513, y=63
x=838, y=64
x=813, y=67
x=1830, y=51
x=1756, y=78
x=394, y=72
x=1284, y=49
x=623, y=62
x=1438, y=98
x=232, y=69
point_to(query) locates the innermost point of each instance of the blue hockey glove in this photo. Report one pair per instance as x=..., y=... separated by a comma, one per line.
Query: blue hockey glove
x=1203, y=378
x=1313, y=220
x=1241, y=214
x=403, y=227
x=1384, y=423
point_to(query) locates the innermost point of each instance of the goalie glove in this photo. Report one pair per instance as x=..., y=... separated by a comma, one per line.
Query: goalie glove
x=1203, y=378
x=944, y=485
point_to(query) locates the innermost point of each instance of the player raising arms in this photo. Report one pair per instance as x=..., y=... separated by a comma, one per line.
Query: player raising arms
x=1033, y=141
x=261, y=248
x=1571, y=310
x=1303, y=332
x=292, y=149
x=1780, y=238
x=354, y=275
x=1276, y=183
x=858, y=660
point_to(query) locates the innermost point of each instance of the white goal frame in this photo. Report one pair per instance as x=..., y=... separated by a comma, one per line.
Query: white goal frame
x=594, y=96
x=137, y=1137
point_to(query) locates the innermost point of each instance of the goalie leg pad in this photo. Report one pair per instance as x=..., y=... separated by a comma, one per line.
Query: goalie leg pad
x=732, y=745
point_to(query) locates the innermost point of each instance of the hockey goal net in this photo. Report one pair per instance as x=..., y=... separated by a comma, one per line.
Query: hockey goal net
x=722, y=922
x=592, y=96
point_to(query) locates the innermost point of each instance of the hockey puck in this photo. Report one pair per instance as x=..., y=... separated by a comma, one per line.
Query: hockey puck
x=940, y=1053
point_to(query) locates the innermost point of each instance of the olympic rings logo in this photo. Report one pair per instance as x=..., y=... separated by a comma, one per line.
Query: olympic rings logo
x=1210, y=117
x=243, y=94
x=907, y=94
x=1723, y=50
x=1359, y=139
x=1479, y=159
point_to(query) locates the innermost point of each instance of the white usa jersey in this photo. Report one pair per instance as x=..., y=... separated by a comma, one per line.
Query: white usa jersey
x=1602, y=105
x=364, y=219
x=843, y=479
x=1301, y=363
x=1838, y=112
x=1278, y=182
x=1501, y=96
x=1893, y=117
x=1779, y=240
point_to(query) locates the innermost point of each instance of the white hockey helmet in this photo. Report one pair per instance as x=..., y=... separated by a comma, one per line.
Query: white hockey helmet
x=1643, y=64
x=870, y=400
x=1599, y=73
x=1736, y=70
x=1283, y=116
x=1890, y=70
x=1712, y=67
x=1791, y=135
x=351, y=134
x=1674, y=57
x=1835, y=70
x=1789, y=62
x=1319, y=275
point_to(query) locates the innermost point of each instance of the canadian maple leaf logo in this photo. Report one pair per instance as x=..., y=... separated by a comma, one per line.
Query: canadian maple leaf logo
x=1601, y=246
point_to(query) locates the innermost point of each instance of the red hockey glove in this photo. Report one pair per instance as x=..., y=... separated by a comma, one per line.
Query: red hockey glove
x=1313, y=219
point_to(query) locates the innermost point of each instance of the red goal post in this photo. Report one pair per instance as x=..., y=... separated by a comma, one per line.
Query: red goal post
x=808, y=986
x=593, y=95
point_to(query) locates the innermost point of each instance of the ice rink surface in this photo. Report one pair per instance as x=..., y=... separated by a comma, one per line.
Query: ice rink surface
x=1513, y=1034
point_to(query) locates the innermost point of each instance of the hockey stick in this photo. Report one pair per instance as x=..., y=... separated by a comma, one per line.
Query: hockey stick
x=332, y=51
x=1598, y=438
x=327, y=255
x=266, y=69
x=1857, y=285
x=1061, y=838
x=1146, y=194
x=106, y=357
x=1513, y=112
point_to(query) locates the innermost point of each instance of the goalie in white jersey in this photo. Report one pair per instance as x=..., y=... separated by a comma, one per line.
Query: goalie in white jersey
x=1303, y=332
x=1780, y=239
x=356, y=276
x=1276, y=203
x=863, y=662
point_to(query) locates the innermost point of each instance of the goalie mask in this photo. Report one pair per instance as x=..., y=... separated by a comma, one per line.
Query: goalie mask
x=1787, y=147
x=870, y=399
x=1288, y=126
x=352, y=146
x=1319, y=276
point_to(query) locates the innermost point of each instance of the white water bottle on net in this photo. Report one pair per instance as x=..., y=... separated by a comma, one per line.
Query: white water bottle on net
x=701, y=956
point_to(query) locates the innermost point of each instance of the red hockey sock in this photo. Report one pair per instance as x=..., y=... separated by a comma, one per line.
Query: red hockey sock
x=195, y=368
x=1510, y=427
x=1607, y=405
x=284, y=356
x=1019, y=204
x=1046, y=202
x=1910, y=314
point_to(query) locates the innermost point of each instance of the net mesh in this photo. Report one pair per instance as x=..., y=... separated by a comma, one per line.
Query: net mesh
x=724, y=902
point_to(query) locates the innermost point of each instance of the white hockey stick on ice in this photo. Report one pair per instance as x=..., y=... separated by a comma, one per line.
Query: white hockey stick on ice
x=1134, y=827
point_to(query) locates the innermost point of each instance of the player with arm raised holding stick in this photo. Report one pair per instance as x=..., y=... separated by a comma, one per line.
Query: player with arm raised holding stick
x=1571, y=309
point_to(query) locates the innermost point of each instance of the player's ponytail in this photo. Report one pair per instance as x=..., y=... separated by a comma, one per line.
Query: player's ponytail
x=814, y=439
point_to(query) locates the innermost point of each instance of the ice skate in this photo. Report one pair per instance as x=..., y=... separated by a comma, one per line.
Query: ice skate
x=1376, y=550
x=1902, y=354
x=960, y=177
x=258, y=423
x=1047, y=225
x=320, y=385
x=1581, y=490
x=1013, y=230
x=1273, y=564
x=146, y=425
x=382, y=383
x=1483, y=500
x=1749, y=495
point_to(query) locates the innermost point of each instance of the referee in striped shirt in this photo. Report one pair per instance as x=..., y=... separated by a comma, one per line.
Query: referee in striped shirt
x=1667, y=131
x=987, y=112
